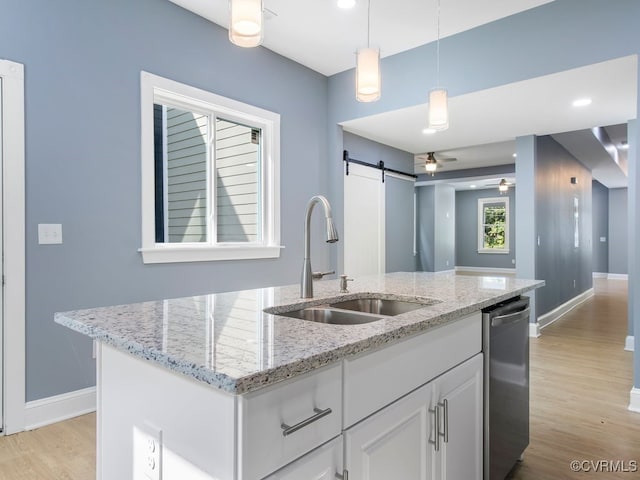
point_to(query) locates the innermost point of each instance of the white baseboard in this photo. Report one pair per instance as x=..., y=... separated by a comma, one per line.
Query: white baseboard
x=508, y=271
x=600, y=274
x=556, y=313
x=46, y=411
x=628, y=343
x=617, y=276
x=534, y=330
x=634, y=400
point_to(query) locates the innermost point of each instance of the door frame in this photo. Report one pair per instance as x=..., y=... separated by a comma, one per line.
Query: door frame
x=13, y=229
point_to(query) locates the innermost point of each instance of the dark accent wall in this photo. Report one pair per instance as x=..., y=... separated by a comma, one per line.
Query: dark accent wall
x=399, y=225
x=399, y=199
x=566, y=269
x=618, y=231
x=467, y=230
x=425, y=211
x=435, y=205
x=600, y=218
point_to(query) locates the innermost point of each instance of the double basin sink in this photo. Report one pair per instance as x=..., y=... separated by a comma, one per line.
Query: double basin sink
x=357, y=311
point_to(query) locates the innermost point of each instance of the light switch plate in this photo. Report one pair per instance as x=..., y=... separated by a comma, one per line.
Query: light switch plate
x=49, y=233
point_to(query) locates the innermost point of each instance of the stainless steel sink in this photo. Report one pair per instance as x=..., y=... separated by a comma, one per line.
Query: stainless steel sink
x=328, y=315
x=380, y=306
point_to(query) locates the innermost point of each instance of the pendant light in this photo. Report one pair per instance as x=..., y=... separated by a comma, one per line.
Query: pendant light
x=368, y=68
x=245, y=26
x=431, y=165
x=438, y=96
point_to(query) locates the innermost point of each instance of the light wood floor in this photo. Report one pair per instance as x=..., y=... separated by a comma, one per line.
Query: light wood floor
x=580, y=382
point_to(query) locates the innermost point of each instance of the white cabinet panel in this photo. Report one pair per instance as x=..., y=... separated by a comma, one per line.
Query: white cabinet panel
x=406, y=365
x=321, y=464
x=393, y=443
x=460, y=389
x=263, y=446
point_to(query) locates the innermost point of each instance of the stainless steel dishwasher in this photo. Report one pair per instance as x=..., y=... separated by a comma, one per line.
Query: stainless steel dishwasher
x=505, y=342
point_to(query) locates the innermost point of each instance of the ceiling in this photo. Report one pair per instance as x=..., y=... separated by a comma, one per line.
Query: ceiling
x=479, y=136
x=483, y=124
x=298, y=29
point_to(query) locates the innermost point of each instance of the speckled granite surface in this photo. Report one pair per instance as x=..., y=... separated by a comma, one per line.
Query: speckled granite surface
x=229, y=342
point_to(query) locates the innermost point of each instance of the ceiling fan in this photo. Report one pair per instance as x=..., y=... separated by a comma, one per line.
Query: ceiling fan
x=431, y=163
x=503, y=185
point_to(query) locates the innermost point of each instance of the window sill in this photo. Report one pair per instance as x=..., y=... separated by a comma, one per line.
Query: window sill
x=494, y=250
x=207, y=253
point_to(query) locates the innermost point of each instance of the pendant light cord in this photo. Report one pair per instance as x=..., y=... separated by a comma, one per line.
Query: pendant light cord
x=369, y=24
x=438, y=46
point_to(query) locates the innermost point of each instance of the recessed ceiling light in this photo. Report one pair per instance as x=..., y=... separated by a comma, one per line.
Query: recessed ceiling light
x=346, y=4
x=429, y=131
x=582, y=102
x=472, y=186
x=515, y=155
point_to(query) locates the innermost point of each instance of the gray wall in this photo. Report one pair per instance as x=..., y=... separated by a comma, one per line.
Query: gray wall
x=566, y=269
x=618, y=231
x=435, y=206
x=399, y=199
x=82, y=66
x=370, y=151
x=399, y=225
x=600, y=219
x=467, y=230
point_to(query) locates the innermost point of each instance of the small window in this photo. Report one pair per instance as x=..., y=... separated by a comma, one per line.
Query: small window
x=210, y=167
x=493, y=225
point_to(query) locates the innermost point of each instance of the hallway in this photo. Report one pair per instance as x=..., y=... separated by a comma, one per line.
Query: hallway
x=580, y=383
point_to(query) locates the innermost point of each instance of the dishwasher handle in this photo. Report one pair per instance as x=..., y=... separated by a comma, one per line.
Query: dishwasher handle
x=510, y=318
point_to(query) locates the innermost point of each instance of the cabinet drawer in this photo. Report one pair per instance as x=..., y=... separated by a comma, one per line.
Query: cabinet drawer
x=374, y=380
x=301, y=404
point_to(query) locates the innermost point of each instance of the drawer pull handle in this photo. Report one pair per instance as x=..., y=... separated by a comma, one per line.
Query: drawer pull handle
x=288, y=430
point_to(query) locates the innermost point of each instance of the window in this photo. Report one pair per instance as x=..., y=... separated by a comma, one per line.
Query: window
x=210, y=168
x=493, y=225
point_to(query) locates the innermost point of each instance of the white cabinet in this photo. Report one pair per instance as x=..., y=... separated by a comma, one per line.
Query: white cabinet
x=459, y=398
x=393, y=443
x=321, y=464
x=434, y=432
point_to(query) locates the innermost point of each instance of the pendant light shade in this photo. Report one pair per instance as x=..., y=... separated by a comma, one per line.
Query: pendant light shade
x=368, y=78
x=438, y=109
x=438, y=97
x=245, y=26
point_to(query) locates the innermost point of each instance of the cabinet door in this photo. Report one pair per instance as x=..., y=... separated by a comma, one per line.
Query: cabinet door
x=320, y=464
x=393, y=443
x=461, y=421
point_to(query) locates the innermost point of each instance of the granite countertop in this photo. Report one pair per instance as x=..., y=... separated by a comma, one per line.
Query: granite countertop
x=228, y=341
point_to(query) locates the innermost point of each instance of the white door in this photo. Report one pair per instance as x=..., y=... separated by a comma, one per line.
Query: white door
x=461, y=422
x=321, y=464
x=393, y=443
x=364, y=219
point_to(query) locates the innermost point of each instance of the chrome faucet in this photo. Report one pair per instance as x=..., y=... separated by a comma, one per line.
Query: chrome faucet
x=306, y=282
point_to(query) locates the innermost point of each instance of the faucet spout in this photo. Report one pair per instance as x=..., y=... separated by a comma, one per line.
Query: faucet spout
x=306, y=282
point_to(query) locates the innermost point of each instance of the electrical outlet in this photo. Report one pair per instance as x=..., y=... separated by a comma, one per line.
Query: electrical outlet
x=49, y=233
x=148, y=452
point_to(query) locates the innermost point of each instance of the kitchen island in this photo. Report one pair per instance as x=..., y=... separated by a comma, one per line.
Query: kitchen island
x=214, y=387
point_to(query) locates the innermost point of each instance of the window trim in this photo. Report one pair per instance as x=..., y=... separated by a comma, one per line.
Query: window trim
x=152, y=88
x=481, y=205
